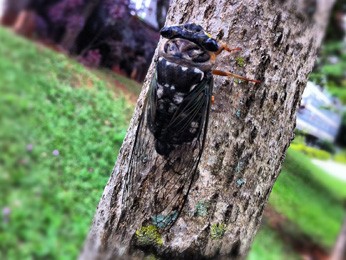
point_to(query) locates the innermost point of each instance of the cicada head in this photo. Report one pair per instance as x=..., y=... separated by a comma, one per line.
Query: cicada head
x=188, y=45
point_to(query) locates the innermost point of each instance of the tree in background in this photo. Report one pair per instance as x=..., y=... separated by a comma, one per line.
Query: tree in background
x=251, y=128
x=104, y=33
x=11, y=11
x=125, y=43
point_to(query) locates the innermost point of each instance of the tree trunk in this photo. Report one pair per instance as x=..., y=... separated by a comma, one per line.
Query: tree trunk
x=71, y=34
x=250, y=128
x=339, y=250
x=11, y=10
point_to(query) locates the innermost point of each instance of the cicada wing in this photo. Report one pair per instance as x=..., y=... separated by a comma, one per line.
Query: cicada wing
x=179, y=170
x=168, y=179
x=140, y=156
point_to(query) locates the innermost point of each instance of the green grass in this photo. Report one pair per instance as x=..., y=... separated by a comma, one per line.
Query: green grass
x=310, y=199
x=268, y=246
x=131, y=87
x=340, y=157
x=49, y=103
x=312, y=202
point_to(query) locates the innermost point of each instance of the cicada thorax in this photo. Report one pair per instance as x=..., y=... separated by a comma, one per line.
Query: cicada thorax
x=179, y=95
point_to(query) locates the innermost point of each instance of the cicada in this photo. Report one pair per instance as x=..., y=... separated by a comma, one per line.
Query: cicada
x=175, y=114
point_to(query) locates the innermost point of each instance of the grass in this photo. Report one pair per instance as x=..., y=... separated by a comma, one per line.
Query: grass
x=269, y=246
x=310, y=199
x=61, y=128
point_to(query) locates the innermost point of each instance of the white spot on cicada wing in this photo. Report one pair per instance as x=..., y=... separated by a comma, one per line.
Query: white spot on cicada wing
x=178, y=97
x=196, y=70
x=172, y=87
x=161, y=105
x=194, y=124
x=167, y=85
x=172, y=108
x=193, y=130
x=184, y=68
x=193, y=127
x=159, y=92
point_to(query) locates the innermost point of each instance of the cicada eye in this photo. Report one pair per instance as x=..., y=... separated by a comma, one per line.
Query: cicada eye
x=171, y=48
x=167, y=32
x=211, y=44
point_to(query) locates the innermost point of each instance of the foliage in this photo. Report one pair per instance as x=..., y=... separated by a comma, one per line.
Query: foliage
x=60, y=130
x=148, y=236
x=311, y=151
x=268, y=245
x=299, y=138
x=341, y=138
x=340, y=157
x=92, y=58
x=326, y=146
x=331, y=66
x=65, y=13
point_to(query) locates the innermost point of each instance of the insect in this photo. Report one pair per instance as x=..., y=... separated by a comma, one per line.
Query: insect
x=176, y=112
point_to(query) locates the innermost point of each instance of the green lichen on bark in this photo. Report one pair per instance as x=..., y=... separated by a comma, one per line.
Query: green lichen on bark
x=162, y=221
x=149, y=236
x=217, y=230
x=201, y=209
x=240, y=61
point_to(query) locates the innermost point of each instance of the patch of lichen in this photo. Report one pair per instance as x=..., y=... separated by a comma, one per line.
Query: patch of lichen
x=150, y=257
x=201, y=209
x=217, y=230
x=240, y=61
x=148, y=236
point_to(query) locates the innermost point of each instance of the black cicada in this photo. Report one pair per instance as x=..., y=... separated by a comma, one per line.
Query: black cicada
x=176, y=116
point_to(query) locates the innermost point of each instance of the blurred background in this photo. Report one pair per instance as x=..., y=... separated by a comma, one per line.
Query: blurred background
x=70, y=74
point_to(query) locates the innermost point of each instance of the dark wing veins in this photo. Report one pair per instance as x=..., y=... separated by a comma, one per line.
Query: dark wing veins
x=163, y=184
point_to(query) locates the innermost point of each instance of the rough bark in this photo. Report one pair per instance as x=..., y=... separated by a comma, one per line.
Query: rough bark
x=250, y=128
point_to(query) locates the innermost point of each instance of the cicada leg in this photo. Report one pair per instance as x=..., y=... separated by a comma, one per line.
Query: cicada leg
x=224, y=47
x=212, y=99
x=230, y=74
